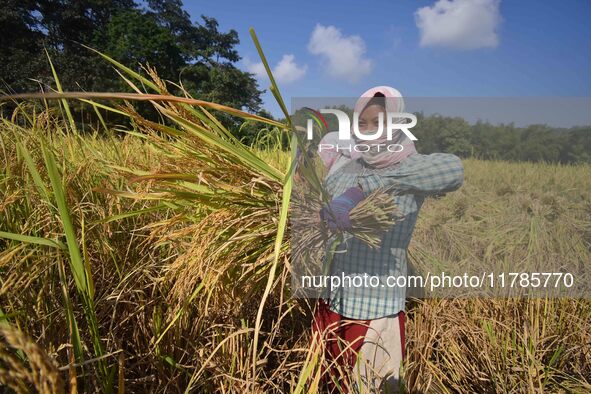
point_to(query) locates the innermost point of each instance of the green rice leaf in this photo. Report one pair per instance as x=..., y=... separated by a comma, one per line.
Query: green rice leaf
x=59, y=89
x=33, y=240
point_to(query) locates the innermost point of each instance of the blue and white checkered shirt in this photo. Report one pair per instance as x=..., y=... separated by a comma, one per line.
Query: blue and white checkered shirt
x=410, y=181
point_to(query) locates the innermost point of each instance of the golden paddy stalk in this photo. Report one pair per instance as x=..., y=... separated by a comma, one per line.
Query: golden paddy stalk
x=177, y=227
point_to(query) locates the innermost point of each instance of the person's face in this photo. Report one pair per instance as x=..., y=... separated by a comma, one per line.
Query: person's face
x=369, y=120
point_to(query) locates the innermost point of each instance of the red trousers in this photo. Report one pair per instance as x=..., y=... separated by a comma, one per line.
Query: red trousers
x=342, y=338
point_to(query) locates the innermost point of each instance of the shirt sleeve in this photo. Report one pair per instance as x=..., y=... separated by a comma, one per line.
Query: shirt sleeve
x=435, y=173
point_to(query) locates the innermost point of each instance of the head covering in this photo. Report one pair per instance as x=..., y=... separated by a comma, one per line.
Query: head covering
x=388, y=152
x=379, y=159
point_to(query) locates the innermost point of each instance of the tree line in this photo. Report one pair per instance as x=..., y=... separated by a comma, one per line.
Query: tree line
x=160, y=33
x=484, y=140
x=536, y=142
x=156, y=32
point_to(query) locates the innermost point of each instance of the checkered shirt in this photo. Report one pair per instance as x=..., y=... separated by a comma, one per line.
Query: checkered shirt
x=410, y=181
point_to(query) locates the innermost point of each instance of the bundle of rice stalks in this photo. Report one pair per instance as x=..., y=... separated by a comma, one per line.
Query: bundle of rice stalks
x=370, y=219
x=373, y=216
x=223, y=216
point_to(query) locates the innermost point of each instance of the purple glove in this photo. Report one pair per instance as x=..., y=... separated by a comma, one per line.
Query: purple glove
x=336, y=212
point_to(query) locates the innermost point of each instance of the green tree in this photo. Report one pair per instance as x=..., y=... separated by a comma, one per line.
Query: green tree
x=538, y=143
x=577, y=148
x=20, y=44
x=161, y=34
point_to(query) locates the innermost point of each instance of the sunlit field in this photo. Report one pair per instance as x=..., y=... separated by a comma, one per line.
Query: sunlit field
x=173, y=287
x=158, y=261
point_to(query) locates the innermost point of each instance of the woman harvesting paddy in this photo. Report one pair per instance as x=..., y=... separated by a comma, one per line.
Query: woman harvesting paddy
x=362, y=328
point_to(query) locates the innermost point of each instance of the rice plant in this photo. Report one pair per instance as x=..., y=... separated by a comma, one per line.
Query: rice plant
x=159, y=261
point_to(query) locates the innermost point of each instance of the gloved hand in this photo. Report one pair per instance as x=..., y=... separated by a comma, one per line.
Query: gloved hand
x=336, y=212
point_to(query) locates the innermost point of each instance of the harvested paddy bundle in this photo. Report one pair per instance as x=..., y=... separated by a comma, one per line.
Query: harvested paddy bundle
x=372, y=217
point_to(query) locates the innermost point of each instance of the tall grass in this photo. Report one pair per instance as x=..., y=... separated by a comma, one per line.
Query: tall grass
x=156, y=262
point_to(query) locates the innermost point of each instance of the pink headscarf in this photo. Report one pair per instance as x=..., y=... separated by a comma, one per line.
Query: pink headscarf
x=373, y=158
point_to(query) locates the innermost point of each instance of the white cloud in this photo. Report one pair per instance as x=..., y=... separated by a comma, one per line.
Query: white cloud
x=459, y=24
x=344, y=56
x=258, y=69
x=288, y=71
x=285, y=71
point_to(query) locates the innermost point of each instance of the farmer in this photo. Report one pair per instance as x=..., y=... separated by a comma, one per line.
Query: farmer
x=362, y=328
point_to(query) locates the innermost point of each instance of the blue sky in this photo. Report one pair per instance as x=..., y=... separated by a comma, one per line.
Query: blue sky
x=422, y=48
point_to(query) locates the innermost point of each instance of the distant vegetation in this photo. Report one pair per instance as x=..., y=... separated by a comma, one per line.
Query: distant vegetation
x=157, y=32
x=483, y=140
x=160, y=33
